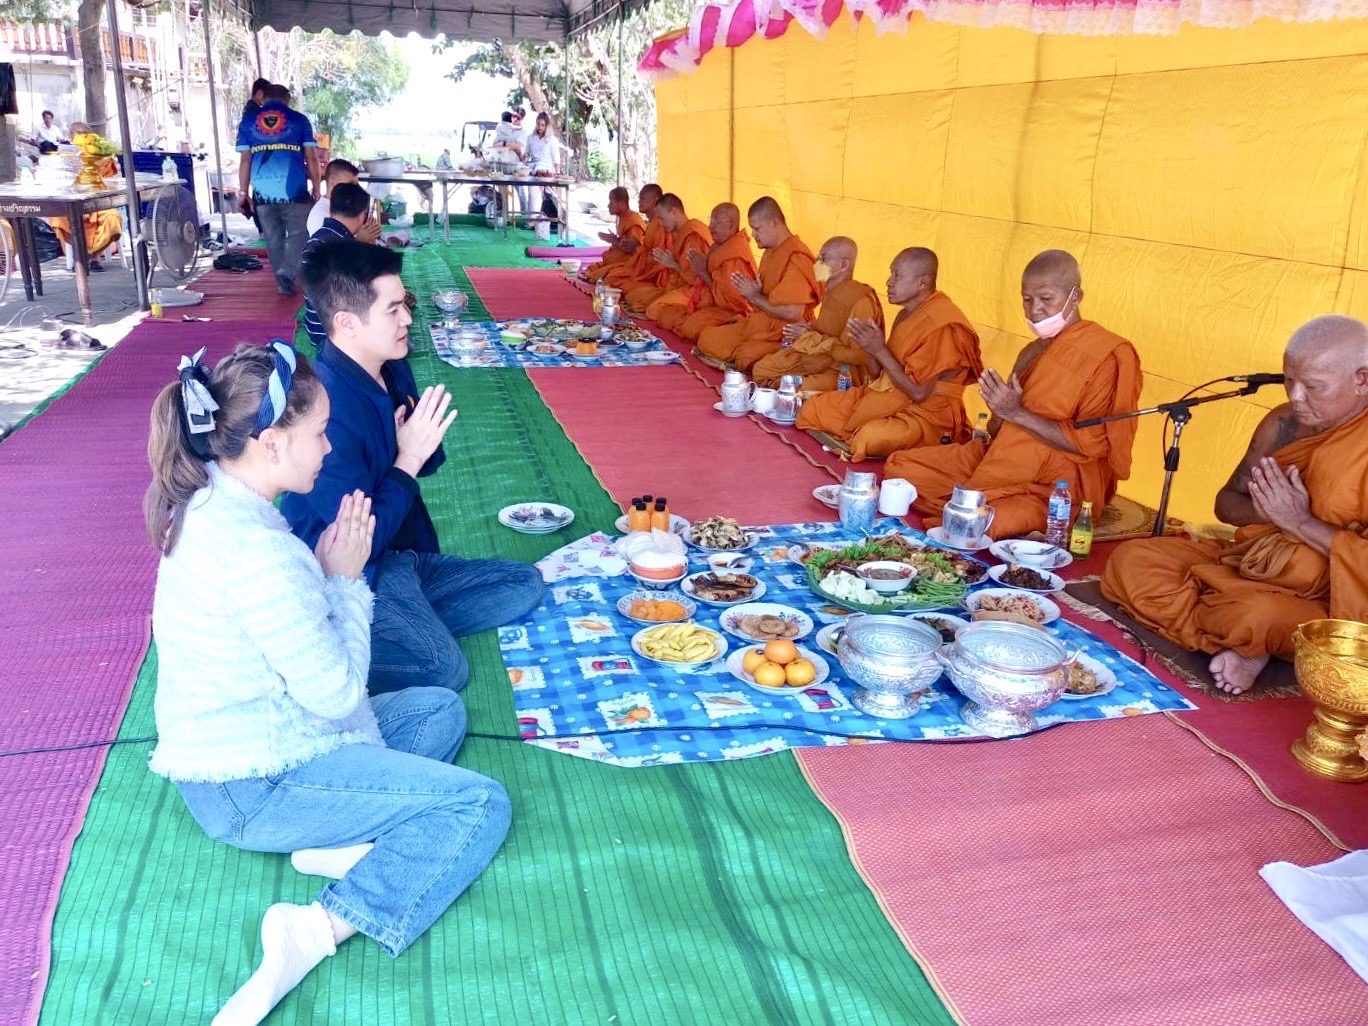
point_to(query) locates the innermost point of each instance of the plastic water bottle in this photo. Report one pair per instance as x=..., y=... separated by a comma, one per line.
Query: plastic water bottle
x=1058, y=515
x=981, y=429
x=843, y=378
x=169, y=168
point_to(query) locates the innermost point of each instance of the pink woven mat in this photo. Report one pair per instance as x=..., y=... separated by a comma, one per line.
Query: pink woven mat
x=529, y=292
x=1095, y=875
x=76, y=579
x=584, y=254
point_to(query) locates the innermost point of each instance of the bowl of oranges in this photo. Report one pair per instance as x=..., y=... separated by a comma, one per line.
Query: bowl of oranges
x=778, y=666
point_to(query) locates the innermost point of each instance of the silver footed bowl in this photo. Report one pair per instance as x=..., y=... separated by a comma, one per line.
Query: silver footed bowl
x=452, y=303
x=892, y=659
x=1008, y=671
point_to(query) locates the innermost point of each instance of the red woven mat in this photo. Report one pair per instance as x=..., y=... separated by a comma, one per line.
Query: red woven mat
x=1096, y=875
x=251, y=294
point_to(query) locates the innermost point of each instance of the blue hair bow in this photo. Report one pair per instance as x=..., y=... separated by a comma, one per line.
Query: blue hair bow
x=278, y=387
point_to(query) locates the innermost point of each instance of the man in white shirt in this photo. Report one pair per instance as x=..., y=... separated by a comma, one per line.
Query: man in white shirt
x=544, y=153
x=47, y=132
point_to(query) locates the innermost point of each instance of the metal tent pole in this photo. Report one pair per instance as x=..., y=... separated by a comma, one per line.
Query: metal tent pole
x=130, y=175
x=256, y=42
x=213, y=116
x=619, y=98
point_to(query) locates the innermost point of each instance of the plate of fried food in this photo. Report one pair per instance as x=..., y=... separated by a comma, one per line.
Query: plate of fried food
x=801, y=552
x=723, y=589
x=942, y=623
x=720, y=534
x=766, y=621
x=1012, y=605
x=1088, y=678
x=1025, y=578
x=652, y=607
x=681, y=646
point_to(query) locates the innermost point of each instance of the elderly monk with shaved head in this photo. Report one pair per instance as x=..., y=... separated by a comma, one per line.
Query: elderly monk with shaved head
x=817, y=350
x=787, y=292
x=714, y=299
x=1300, y=501
x=918, y=376
x=622, y=242
x=1074, y=370
x=641, y=268
x=688, y=236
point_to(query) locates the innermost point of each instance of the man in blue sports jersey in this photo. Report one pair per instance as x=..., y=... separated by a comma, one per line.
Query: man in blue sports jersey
x=280, y=160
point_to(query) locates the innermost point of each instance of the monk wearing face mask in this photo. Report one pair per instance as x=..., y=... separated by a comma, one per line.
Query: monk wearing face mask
x=916, y=377
x=816, y=350
x=1074, y=370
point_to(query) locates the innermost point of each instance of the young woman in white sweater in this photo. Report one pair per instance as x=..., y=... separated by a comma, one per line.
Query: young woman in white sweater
x=263, y=649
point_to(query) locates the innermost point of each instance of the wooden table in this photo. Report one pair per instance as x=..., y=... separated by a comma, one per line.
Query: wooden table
x=23, y=204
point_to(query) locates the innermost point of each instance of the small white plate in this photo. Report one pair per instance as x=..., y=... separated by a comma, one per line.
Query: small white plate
x=719, y=649
x=1105, y=677
x=730, y=562
x=1051, y=611
x=800, y=552
x=656, y=356
x=545, y=349
x=583, y=356
x=822, y=667
x=828, y=495
x=527, y=517
x=678, y=525
x=750, y=536
x=828, y=637
x=931, y=619
x=624, y=605
x=1056, y=582
x=1003, y=551
x=688, y=588
x=718, y=407
x=937, y=535
x=731, y=619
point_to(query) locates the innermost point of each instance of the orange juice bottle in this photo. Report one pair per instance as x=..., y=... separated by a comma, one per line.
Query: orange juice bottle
x=660, y=516
x=638, y=517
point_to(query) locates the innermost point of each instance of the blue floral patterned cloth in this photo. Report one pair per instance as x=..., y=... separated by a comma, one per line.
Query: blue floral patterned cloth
x=579, y=688
x=496, y=354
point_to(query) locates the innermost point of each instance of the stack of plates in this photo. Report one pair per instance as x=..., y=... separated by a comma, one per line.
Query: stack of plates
x=536, y=517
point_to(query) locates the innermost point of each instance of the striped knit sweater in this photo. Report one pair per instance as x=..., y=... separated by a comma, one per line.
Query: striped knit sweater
x=262, y=661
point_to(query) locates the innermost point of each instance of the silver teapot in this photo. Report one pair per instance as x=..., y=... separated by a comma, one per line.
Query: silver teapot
x=966, y=517
x=788, y=402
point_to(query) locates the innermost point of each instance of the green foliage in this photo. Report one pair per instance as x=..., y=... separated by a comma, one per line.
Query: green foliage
x=32, y=10
x=602, y=167
x=362, y=72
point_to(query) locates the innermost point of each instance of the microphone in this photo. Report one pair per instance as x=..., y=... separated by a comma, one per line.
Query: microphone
x=1258, y=380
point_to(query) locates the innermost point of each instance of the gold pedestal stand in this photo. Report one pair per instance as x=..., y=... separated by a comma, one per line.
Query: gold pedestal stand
x=1332, y=669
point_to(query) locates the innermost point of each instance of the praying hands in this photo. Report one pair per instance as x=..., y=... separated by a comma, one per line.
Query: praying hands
x=1002, y=397
x=867, y=335
x=748, y=287
x=1280, y=498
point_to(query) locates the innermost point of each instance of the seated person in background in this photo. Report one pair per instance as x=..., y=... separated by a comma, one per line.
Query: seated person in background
x=263, y=647
x=623, y=241
x=787, y=292
x=384, y=435
x=916, y=379
x=337, y=172
x=47, y=131
x=444, y=161
x=1300, y=500
x=714, y=299
x=687, y=237
x=816, y=350
x=1074, y=370
x=350, y=219
x=640, y=267
x=102, y=228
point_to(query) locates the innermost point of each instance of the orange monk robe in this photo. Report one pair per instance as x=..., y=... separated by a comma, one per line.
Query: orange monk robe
x=786, y=279
x=817, y=355
x=1250, y=595
x=693, y=236
x=641, y=268
x=934, y=342
x=718, y=303
x=630, y=225
x=102, y=227
x=1085, y=372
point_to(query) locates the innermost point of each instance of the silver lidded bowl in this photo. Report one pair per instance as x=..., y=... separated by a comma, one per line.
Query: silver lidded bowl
x=452, y=303
x=469, y=341
x=1008, y=671
x=892, y=659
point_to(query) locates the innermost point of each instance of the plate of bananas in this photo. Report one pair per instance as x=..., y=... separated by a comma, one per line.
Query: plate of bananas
x=682, y=646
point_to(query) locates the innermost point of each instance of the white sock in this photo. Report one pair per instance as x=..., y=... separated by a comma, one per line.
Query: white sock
x=294, y=939
x=330, y=862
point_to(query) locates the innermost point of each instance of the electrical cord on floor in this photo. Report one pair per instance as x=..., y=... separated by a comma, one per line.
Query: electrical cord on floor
x=595, y=733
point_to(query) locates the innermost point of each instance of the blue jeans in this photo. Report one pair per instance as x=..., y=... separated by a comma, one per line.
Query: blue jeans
x=424, y=601
x=435, y=826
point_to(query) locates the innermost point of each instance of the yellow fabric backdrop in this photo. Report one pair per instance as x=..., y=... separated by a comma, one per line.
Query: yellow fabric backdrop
x=1213, y=183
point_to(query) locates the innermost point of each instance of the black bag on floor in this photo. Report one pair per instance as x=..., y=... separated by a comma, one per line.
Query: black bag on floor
x=239, y=262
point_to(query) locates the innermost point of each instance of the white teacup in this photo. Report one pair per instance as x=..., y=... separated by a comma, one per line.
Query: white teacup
x=763, y=400
x=896, y=496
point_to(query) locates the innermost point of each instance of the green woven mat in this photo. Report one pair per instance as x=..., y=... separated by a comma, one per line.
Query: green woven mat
x=672, y=895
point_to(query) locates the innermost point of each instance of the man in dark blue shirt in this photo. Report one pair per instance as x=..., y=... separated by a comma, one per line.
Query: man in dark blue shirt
x=280, y=160
x=350, y=219
x=384, y=436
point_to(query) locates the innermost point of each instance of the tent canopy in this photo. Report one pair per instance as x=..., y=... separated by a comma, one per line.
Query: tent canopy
x=479, y=20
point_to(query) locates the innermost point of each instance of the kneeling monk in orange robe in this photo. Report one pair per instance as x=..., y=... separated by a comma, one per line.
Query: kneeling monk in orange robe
x=1074, y=370
x=622, y=243
x=641, y=263
x=714, y=299
x=786, y=292
x=816, y=351
x=919, y=374
x=687, y=236
x=1300, y=500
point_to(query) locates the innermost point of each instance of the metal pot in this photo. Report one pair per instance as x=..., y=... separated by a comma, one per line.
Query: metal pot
x=1008, y=671
x=892, y=659
x=384, y=167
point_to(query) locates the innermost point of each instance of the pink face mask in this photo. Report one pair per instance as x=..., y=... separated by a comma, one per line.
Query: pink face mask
x=1055, y=323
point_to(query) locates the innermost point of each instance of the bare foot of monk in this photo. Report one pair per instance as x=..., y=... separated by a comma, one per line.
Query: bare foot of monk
x=1234, y=673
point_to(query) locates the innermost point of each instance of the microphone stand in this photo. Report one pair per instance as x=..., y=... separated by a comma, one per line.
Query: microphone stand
x=1180, y=412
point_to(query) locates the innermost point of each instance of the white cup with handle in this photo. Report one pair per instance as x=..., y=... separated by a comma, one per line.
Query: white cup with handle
x=763, y=400
x=896, y=496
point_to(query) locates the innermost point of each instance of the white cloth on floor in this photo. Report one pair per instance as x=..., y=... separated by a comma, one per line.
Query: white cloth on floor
x=1331, y=900
x=593, y=555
